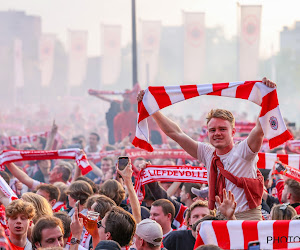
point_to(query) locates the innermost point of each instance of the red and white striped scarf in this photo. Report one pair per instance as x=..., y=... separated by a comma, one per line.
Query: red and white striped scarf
x=235, y=234
x=29, y=155
x=6, y=190
x=267, y=160
x=168, y=173
x=157, y=98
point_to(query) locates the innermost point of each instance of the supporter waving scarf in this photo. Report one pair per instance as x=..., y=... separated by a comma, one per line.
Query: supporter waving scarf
x=29, y=155
x=157, y=98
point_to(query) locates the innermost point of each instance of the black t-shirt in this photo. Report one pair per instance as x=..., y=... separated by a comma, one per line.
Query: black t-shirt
x=178, y=240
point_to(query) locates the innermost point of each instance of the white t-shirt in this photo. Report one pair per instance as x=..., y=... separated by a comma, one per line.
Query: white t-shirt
x=240, y=161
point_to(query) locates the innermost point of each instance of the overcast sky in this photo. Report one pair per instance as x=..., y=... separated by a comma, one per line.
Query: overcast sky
x=60, y=15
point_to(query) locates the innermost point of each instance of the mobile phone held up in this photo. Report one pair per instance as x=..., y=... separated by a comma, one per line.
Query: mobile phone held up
x=77, y=205
x=122, y=162
x=253, y=245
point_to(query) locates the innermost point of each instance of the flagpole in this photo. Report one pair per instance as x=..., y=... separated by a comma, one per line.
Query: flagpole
x=134, y=51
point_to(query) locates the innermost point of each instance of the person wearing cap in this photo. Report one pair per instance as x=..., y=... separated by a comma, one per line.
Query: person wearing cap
x=148, y=235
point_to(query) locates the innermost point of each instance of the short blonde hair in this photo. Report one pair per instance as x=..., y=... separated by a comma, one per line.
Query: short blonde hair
x=222, y=114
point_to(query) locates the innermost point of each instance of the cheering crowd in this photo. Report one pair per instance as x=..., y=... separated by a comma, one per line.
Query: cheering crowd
x=61, y=190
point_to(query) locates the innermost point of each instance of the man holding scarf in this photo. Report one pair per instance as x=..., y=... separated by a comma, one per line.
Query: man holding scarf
x=230, y=166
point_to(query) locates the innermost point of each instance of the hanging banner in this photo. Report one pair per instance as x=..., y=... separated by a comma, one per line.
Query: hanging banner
x=18, y=63
x=194, y=46
x=111, y=54
x=77, y=57
x=150, y=45
x=249, y=33
x=46, y=54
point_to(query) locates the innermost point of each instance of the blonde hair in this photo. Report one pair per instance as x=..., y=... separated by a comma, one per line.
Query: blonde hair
x=283, y=212
x=20, y=207
x=222, y=114
x=42, y=206
x=198, y=203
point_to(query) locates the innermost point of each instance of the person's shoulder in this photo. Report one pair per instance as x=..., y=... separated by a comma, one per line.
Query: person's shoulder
x=177, y=233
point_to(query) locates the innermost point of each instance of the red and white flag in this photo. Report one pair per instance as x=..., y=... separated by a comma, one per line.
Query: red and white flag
x=267, y=160
x=150, y=45
x=157, y=98
x=46, y=54
x=77, y=57
x=236, y=234
x=249, y=33
x=111, y=54
x=18, y=63
x=194, y=46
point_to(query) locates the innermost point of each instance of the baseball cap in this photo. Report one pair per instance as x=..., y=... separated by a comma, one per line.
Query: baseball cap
x=150, y=231
x=203, y=193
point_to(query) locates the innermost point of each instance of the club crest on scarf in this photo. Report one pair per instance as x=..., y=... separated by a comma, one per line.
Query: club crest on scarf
x=273, y=122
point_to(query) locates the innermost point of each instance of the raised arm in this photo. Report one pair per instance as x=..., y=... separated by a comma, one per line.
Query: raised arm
x=172, y=130
x=134, y=201
x=51, y=137
x=20, y=174
x=256, y=136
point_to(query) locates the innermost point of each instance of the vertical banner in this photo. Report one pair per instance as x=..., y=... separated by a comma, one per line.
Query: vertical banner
x=194, y=46
x=249, y=37
x=150, y=45
x=18, y=64
x=77, y=57
x=46, y=55
x=111, y=54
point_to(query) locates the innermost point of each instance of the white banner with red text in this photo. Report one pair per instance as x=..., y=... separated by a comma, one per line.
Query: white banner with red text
x=169, y=173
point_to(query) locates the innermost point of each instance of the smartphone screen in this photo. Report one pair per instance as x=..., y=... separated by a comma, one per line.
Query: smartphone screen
x=77, y=205
x=122, y=162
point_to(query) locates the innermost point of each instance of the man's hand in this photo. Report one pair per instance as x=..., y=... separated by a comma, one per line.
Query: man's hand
x=140, y=95
x=227, y=207
x=76, y=225
x=268, y=83
x=144, y=165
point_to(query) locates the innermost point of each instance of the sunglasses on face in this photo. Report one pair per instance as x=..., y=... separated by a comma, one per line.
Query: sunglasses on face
x=99, y=224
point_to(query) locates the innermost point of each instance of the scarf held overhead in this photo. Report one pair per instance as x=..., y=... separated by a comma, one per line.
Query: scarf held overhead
x=29, y=155
x=157, y=98
x=168, y=173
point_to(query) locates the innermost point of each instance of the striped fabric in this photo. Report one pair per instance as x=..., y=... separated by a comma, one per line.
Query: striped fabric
x=267, y=160
x=236, y=234
x=157, y=98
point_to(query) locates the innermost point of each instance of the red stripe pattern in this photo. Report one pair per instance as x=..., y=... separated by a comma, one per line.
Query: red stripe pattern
x=157, y=98
x=237, y=234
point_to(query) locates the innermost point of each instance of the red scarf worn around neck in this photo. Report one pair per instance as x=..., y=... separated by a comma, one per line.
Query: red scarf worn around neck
x=253, y=187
